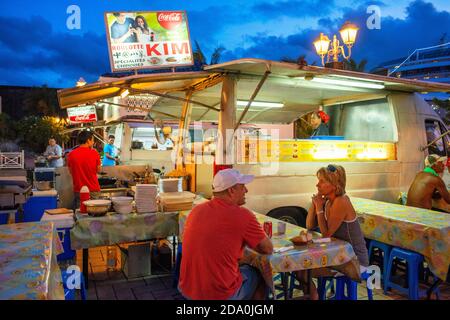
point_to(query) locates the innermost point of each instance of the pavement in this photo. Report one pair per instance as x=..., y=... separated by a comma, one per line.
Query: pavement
x=114, y=285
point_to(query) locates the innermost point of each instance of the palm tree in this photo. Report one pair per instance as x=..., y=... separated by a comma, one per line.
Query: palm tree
x=216, y=55
x=352, y=65
x=200, y=58
x=42, y=101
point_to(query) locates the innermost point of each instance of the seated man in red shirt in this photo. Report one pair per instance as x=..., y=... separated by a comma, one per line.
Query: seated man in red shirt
x=84, y=163
x=214, y=237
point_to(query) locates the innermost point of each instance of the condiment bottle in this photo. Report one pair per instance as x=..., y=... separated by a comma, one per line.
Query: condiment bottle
x=84, y=196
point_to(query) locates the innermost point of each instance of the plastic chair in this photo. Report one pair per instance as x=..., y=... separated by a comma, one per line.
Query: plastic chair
x=176, y=271
x=69, y=294
x=414, y=261
x=346, y=288
x=385, y=248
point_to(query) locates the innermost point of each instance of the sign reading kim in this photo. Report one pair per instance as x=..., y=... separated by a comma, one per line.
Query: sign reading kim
x=82, y=114
x=149, y=39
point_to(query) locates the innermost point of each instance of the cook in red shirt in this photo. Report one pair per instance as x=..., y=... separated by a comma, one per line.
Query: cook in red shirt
x=214, y=237
x=84, y=164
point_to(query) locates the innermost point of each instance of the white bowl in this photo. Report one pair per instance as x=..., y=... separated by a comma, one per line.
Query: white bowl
x=123, y=208
x=122, y=200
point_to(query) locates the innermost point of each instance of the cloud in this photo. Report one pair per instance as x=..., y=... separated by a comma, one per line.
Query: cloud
x=32, y=52
x=299, y=9
x=423, y=26
x=31, y=49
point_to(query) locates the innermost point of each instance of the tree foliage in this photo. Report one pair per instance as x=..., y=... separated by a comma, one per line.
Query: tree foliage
x=200, y=58
x=33, y=132
x=353, y=65
x=42, y=101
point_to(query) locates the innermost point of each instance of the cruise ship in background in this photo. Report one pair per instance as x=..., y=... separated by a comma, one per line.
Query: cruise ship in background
x=427, y=64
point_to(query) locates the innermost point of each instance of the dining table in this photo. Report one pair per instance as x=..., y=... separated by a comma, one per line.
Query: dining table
x=114, y=228
x=320, y=253
x=28, y=264
x=420, y=230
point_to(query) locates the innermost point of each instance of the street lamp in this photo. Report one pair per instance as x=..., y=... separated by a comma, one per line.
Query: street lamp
x=348, y=34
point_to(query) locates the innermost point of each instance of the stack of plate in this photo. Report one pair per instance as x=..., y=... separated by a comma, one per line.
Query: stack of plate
x=145, y=198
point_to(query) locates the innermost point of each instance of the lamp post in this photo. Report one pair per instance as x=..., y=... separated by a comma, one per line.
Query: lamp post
x=348, y=34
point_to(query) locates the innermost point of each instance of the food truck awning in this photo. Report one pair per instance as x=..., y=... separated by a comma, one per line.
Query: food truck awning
x=299, y=88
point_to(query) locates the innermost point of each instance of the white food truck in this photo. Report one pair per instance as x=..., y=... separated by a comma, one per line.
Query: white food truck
x=380, y=127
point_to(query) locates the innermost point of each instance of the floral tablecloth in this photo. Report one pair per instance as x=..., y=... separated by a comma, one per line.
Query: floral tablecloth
x=115, y=228
x=28, y=266
x=337, y=254
x=424, y=231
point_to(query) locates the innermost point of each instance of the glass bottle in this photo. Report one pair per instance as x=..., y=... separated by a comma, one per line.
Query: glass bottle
x=111, y=258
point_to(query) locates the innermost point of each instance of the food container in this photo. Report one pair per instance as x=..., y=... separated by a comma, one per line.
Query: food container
x=302, y=239
x=97, y=208
x=170, y=184
x=176, y=201
x=43, y=185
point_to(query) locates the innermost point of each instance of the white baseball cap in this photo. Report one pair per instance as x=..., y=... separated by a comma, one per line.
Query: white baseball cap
x=434, y=158
x=227, y=178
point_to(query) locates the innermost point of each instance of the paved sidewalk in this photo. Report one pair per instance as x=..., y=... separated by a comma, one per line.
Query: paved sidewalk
x=106, y=285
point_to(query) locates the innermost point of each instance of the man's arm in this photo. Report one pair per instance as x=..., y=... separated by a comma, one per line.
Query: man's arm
x=265, y=246
x=442, y=189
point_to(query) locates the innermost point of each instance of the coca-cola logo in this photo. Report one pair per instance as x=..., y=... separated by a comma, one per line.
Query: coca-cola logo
x=83, y=118
x=169, y=20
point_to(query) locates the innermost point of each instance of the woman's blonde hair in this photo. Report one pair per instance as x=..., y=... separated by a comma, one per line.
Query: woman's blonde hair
x=335, y=175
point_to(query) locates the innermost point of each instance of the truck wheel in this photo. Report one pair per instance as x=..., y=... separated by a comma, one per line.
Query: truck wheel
x=290, y=214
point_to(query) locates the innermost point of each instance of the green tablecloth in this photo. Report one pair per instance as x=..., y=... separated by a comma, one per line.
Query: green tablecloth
x=120, y=228
x=28, y=267
x=424, y=231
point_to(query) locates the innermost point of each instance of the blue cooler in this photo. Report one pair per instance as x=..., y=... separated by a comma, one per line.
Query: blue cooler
x=36, y=204
x=4, y=218
x=63, y=224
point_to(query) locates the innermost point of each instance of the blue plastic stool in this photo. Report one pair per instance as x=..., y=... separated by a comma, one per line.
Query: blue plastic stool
x=386, y=249
x=176, y=271
x=293, y=285
x=69, y=294
x=342, y=283
x=64, y=236
x=284, y=287
x=413, y=260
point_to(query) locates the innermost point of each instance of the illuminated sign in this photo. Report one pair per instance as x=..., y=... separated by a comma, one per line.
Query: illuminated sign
x=143, y=40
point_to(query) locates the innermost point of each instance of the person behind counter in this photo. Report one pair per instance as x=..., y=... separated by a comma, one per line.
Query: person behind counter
x=84, y=164
x=53, y=153
x=214, y=236
x=109, y=151
x=333, y=212
x=428, y=184
x=318, y=121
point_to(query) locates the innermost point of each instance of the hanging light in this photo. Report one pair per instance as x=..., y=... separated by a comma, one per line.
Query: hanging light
x=322, y=44
x=348, y=33
x=81, y=82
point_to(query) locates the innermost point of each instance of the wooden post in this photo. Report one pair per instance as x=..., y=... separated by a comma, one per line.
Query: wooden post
x=227, y=121
x=183, y=130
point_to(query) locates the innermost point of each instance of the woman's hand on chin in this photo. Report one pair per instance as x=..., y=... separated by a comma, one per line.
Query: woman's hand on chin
x=319, y=201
